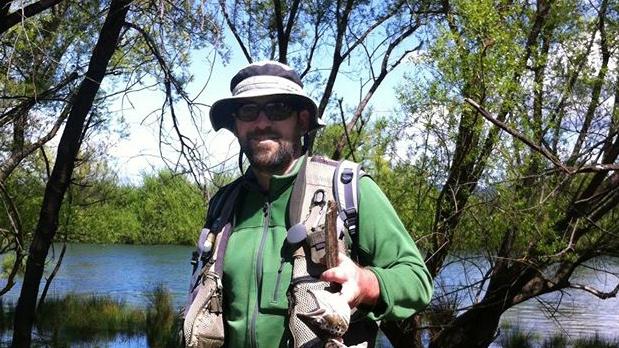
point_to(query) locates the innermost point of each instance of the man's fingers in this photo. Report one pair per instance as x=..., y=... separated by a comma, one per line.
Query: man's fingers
x=335, y=274
x=343, y=272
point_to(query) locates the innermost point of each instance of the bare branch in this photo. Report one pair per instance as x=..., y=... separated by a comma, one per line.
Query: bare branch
x=568, y=170
x=600, y=294
x=343, y=118
x=9, y=164
x=222, y=4
x=17, y=235
x=30, y=101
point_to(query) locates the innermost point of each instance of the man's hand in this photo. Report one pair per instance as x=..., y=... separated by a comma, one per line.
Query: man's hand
x=359, y=285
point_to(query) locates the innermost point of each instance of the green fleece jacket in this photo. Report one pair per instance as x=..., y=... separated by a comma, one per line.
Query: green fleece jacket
x=258, y=266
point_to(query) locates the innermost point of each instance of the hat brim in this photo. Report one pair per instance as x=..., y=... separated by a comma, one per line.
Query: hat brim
x=221, y=111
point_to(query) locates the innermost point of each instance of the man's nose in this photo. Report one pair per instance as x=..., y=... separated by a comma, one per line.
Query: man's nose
x=263, y=120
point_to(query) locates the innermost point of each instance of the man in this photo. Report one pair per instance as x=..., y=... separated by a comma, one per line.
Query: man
x=270, y=114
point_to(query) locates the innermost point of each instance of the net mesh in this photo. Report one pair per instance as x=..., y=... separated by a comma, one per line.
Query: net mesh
x=302, y=302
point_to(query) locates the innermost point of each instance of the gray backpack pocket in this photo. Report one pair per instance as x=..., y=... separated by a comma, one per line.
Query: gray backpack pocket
x=204, y=326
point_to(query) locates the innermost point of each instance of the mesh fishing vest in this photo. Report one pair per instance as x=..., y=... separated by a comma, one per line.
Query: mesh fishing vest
x=318, y=182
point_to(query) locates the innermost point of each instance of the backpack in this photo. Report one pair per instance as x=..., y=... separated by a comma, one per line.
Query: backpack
x=319, y=180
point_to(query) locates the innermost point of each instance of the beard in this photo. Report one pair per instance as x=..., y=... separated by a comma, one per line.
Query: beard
x=274, y=158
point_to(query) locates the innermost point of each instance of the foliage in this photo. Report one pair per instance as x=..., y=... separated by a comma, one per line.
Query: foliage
x=7, y=264
x=166, y=209
x=532, y=191
x=171, y=209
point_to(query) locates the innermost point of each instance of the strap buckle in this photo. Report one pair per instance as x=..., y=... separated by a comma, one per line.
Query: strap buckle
x=351, y=219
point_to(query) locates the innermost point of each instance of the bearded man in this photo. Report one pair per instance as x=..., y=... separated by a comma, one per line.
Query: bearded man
x=273, y=119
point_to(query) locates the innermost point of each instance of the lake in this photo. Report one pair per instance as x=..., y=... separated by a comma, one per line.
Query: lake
x=129, y=272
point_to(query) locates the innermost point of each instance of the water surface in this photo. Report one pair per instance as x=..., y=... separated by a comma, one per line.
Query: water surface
x=130, y=272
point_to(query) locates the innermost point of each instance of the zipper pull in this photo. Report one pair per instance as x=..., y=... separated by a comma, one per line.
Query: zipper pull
x=265, y=208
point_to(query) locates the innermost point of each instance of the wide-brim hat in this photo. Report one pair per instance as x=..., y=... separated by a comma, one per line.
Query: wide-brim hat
x=267, y=78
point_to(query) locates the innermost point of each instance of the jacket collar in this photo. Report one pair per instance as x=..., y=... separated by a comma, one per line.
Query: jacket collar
x=279, y=183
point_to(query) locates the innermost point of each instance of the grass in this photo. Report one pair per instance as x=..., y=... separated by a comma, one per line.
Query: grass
x=556, y=341
x=77, y=319
x=596, y=342
x=84, y=318
x=6, y=317
x=163, y=324
x=514, y=337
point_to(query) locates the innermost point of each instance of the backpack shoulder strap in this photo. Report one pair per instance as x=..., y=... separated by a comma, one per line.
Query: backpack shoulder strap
x=221, y=205
x=346, y=192
x=212, y=243
x=337, y=181
x=315, y=174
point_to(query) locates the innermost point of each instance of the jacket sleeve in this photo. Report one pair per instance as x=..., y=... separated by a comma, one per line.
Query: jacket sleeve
x=387, y=249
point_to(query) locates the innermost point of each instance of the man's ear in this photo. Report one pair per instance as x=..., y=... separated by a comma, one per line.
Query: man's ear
x=304, y=120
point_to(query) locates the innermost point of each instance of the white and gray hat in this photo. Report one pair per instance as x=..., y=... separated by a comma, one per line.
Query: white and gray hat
x=266, y=78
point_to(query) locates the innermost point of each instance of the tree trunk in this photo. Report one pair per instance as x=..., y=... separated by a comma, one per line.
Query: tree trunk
x=404, y=333
x=63, y=169
x=19, y=131
x=475, y=328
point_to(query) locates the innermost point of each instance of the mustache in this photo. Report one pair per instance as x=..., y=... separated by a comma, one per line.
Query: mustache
x=265, y=133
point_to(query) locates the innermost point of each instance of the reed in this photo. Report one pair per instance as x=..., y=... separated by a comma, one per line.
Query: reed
x=556, y=341
x=5, y=318
x=515, y=337
x=162, y=322
x=81, y=318
x=596, y=342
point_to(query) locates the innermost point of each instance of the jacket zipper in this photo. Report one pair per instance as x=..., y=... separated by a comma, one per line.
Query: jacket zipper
x=265, y=229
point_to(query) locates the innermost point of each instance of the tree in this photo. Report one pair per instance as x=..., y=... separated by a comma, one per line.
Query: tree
x=126, y=48
x=36, y=85
x=531, y=164
x=63, y=169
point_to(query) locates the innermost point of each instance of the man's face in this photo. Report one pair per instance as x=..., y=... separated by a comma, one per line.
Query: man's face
x=270, y=143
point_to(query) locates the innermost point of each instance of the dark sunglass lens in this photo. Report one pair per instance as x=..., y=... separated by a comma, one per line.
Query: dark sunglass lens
x=248, y=112
x=278, y=111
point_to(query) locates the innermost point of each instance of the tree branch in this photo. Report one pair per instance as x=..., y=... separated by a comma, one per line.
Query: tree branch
x=9, y=164
x=15, y=221
x=16, y=17
x=222, y=4
x=350, y=146
x=30, y=101
x=600, y=294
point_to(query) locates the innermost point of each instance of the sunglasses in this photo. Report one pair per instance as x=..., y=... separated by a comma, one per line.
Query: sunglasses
x=274, y=111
